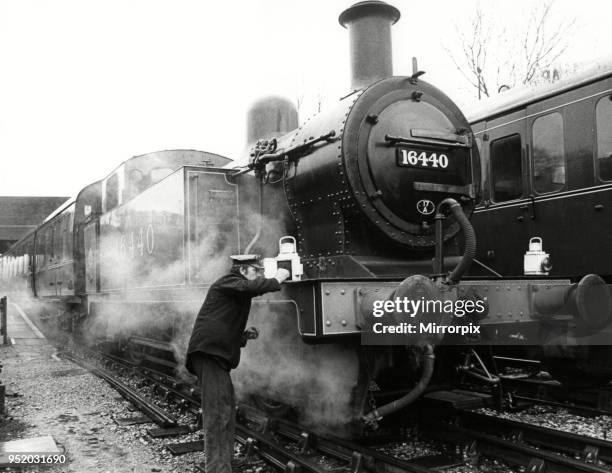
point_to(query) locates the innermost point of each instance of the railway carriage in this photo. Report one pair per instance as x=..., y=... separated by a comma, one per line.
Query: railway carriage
x=547, y=172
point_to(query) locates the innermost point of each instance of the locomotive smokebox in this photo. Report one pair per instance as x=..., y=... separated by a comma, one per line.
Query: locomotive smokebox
x=369, y=24
x=270, y=117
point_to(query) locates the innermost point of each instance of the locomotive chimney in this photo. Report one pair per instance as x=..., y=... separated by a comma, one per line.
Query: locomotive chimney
x=369, y=24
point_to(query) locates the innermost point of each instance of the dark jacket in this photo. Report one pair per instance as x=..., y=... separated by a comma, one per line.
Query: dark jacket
x=222, y=319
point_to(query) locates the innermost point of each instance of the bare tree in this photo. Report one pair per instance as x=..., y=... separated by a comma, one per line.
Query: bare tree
x=474, y=52
x=544, y=43
x=493, y=56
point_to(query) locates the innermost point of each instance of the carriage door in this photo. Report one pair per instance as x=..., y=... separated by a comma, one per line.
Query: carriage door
x=212, y=225
x=508, y=209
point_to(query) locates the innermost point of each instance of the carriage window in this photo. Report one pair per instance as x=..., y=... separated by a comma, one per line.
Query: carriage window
x=112, y=192
x=68, y=236
x=548, y=153
x=137, y=182
x=63, y=236
x=603, y=114
x=506, y=168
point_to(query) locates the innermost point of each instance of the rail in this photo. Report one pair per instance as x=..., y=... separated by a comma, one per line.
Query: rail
x=156, y=414
x=533, y=447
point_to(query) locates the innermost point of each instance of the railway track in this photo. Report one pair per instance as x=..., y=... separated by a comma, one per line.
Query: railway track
x=521, y=393
x=525, y=388
x=291, y=447
x=297, y=451
x=537, y=449
x=586, y=401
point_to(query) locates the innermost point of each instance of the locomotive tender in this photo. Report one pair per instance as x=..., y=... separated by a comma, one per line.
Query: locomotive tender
x=361, y=187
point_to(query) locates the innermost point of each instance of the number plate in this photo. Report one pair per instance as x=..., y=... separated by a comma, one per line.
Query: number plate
x=419, y=158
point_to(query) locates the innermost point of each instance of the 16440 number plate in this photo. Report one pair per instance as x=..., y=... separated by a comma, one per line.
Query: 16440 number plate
x=414, y=158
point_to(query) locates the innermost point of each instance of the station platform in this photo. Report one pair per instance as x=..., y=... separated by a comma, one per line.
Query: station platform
x=21, y=330
x=77, y=414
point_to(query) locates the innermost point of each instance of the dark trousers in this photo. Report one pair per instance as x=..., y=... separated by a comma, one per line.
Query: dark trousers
x=218, y=414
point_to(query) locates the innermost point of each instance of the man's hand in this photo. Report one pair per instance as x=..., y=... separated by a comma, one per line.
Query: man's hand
x=250, y=333
x=281, y=275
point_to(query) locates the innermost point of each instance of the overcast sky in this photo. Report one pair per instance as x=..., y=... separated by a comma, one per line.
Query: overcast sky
x=85, y=85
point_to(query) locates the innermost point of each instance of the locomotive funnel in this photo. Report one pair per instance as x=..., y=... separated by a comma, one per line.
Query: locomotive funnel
x=369, y=24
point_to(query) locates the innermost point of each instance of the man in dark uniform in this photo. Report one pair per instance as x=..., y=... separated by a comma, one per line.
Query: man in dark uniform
x=214, y=350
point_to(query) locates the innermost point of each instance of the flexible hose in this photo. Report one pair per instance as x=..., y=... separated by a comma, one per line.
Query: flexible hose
x=428, y=366
x=470, y=239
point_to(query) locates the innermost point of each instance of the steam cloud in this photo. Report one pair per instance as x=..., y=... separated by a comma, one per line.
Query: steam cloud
x=317, y=379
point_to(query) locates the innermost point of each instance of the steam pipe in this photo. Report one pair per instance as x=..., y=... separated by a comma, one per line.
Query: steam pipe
x=374, y=416
x=470, y=239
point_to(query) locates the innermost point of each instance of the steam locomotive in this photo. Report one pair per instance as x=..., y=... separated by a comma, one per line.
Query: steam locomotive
x=355, y=202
